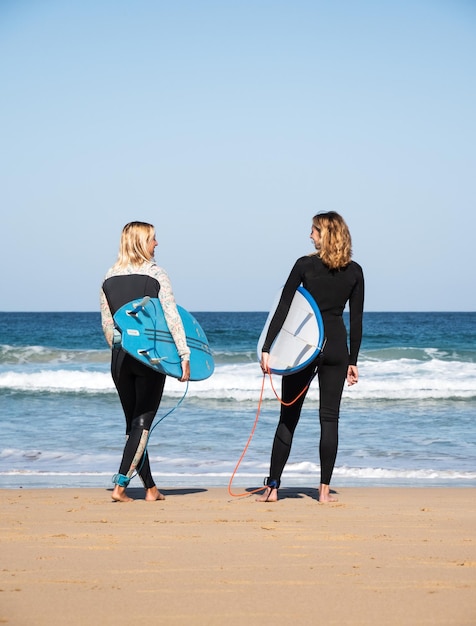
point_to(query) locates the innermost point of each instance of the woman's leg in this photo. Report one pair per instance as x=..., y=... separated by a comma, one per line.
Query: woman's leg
x=140, y=390
x=332, y=373
x=291, y=386
x=149, y=390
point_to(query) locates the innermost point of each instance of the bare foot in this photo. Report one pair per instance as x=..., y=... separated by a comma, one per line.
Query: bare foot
x=119, y=495
x=153, y=494
x=270, y=495
x=325, y=495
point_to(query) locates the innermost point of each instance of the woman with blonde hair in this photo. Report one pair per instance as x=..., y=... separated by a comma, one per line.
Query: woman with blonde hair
x=333, y=280
x=135, y=275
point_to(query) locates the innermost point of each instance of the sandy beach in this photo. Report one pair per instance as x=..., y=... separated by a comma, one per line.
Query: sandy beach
x=378, y=556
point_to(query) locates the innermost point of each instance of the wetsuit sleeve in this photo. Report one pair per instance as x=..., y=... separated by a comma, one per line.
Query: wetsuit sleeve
x=172, y=317
x=356, y=311
x=107, y=320
x=284, y=304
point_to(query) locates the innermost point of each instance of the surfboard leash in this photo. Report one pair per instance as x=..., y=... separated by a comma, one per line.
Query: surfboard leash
x=301, y=393
x=258, y=411
x=137, y=469
x=171, y=410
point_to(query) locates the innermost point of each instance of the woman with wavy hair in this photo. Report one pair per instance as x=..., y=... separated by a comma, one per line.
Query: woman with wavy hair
x=333, y=280
x=135, y=275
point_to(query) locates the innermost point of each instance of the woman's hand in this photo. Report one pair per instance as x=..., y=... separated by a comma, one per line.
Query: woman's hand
x=265, y=362
x=352, y=375
x=185, y=371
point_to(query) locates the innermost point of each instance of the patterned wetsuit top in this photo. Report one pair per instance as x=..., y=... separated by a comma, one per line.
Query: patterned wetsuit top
x=331, y=289
x=120, y=286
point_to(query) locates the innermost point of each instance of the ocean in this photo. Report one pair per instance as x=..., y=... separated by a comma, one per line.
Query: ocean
x=410, y=421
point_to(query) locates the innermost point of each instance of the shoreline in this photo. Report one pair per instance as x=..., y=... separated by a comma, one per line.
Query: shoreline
x=11, y=481
x=383, y=556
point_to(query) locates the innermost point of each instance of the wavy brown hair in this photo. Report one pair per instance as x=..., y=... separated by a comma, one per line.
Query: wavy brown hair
x=133, y=247
x=336, y=243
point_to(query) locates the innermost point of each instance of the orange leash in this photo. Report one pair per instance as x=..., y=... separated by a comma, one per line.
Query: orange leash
x=248, y=493
x=280, y=400
x=258, y=411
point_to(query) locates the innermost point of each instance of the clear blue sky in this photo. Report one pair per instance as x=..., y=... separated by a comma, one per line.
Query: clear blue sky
x=228, y=125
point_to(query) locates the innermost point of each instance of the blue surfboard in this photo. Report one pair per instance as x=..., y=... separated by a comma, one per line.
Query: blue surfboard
x=146, y=336
x=301, y=337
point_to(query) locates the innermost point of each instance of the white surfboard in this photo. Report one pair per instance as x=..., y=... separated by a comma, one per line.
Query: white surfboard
x=301, y=337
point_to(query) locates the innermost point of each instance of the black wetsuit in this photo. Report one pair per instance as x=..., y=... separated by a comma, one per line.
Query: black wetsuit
x=140, y=388
x=331, y=289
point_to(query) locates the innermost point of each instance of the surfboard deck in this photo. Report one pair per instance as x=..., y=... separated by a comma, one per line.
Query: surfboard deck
x=301, y=337
x=146, y=336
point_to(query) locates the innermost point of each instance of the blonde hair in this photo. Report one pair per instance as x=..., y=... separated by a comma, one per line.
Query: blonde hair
x=133, y=247
x=336, y=243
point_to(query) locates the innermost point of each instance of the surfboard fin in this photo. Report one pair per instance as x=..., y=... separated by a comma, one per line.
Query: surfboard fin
x=138, y=306
x=153, y=360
